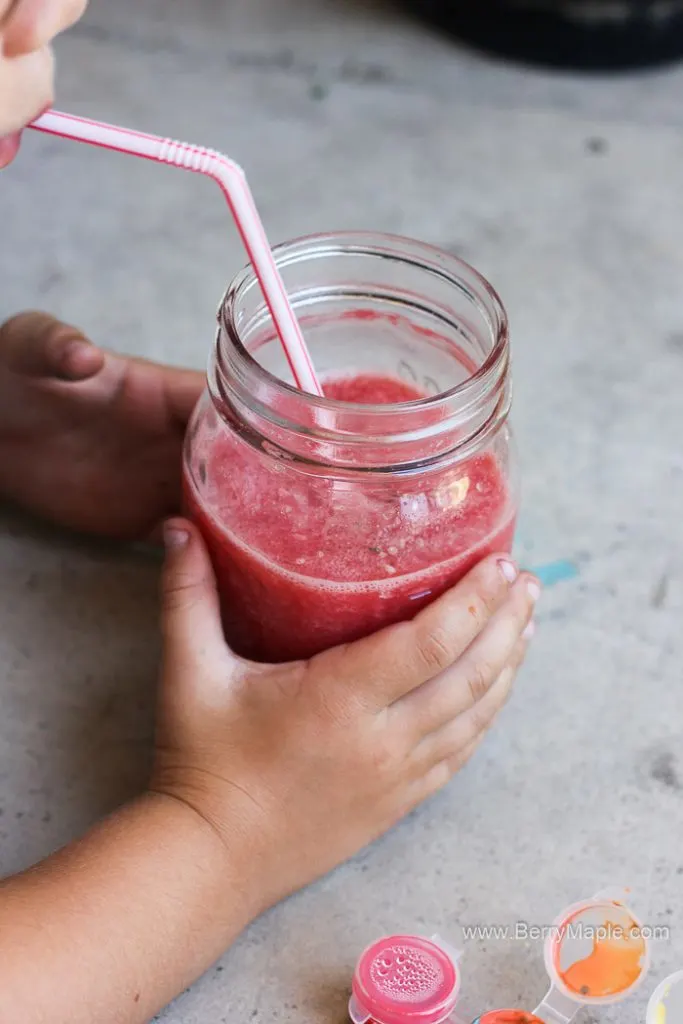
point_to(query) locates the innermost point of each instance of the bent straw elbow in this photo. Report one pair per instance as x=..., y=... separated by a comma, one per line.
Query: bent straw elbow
x=199, y=159
x=233, y=183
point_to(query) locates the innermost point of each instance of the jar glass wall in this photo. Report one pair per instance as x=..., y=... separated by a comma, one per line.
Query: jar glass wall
x=329, y=518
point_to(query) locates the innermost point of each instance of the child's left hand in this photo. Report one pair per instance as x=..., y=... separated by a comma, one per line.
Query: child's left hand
x=89, y=440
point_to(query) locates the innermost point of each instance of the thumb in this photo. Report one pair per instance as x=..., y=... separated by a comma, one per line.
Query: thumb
x=37, y=345
x=191, y=621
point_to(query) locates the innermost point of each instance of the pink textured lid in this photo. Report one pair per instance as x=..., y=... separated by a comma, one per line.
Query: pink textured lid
x=405, y=979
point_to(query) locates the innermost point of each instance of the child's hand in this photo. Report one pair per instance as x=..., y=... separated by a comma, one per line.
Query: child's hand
x=89, y=440
x=265, y=778
x=313, y=760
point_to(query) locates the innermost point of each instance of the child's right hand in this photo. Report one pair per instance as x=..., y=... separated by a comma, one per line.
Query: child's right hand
x=307, y=763
x=265, y=777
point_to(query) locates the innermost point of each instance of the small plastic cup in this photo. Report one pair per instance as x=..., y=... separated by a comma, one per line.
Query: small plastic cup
x=666, y=1004
x=405, y=979
x=508, y=1017
x=597, y=953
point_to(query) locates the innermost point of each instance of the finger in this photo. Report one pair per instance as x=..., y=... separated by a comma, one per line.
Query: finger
x=456, y=736
x=37, y=345
x=439, y=775
x=182, y=388
x=31, y=26
x=402, y=658
x=463, y=756
x=191, y=619
x=6, y=8
x=466, y=682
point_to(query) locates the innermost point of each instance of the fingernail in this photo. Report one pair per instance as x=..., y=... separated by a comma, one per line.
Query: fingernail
x=508, y=569
x=77, y=348
x=529, y=631
x=175, y=537
x=78, y=358
x=534, y=589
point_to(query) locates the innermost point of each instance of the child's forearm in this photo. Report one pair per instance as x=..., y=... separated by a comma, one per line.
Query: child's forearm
x=113, y=927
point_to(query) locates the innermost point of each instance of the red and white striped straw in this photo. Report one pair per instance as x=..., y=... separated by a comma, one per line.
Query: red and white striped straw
x=232, y=181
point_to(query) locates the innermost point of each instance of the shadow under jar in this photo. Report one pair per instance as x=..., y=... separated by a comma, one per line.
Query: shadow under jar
x=328, y=518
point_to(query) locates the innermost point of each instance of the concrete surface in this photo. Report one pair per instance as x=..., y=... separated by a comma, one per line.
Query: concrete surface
x=567, y=195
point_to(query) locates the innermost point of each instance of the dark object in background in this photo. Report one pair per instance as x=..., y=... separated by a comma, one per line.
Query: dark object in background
x=597, y=35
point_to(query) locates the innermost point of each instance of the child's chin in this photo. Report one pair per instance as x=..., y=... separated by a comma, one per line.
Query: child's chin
x=9, y=147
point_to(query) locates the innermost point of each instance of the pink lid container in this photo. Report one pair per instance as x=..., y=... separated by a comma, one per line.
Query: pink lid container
x=405, y=979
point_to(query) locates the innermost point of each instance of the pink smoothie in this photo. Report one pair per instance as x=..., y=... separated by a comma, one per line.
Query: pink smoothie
x=304, y=564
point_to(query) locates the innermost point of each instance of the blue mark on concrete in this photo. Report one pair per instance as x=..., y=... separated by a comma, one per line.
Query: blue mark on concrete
x=556, y=572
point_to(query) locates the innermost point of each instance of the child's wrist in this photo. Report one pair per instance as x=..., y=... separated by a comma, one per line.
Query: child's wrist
x=228, y=874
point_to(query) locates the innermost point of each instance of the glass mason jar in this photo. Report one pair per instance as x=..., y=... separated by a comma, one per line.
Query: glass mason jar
x=328, y=518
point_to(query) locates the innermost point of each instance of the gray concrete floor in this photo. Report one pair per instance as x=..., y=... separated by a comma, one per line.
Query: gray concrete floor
x=345, y=115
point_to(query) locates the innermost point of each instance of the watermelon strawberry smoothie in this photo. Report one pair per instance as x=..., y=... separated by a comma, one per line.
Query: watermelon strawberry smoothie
x=304, y=562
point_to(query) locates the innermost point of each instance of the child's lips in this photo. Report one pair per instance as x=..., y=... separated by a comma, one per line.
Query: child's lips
x=9, y=147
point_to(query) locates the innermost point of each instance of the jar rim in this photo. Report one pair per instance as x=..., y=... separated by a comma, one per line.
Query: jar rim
x=434, y=260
